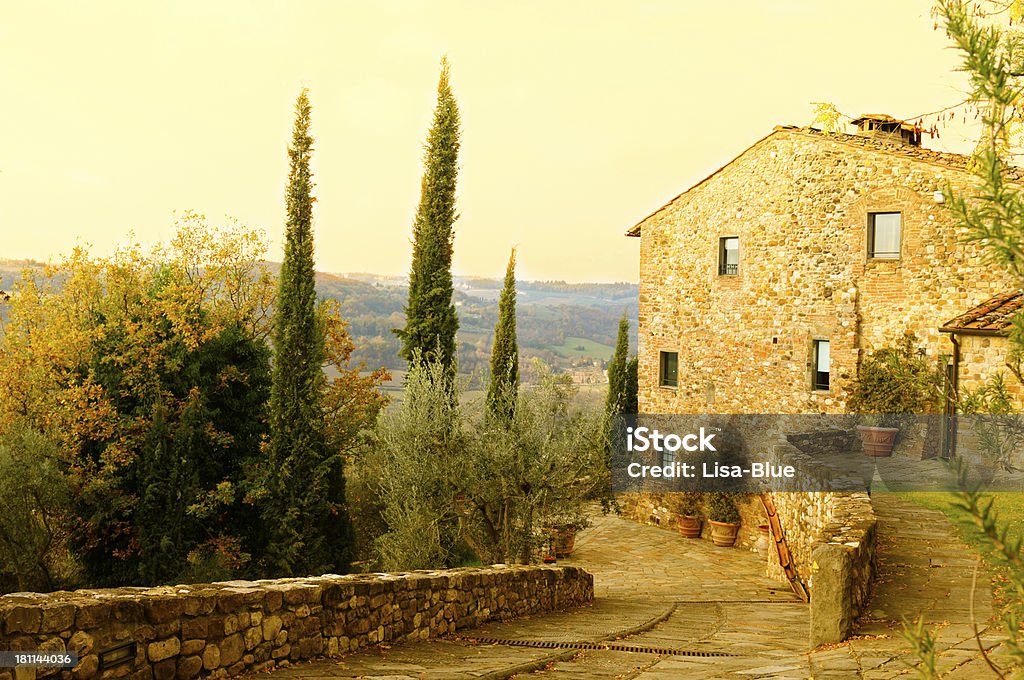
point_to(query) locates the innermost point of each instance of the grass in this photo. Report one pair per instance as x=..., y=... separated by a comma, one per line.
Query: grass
x=581, y=347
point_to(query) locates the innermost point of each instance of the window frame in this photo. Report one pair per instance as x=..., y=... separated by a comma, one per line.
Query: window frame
x=871, y=252
x=723, y=266
x=816, y=386
x=662, y=378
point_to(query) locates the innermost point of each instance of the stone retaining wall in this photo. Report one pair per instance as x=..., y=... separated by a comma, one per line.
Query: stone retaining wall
x=224, y=629
x=831, y=535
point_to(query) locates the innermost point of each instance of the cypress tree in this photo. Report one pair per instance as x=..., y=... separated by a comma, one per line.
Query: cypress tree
x=307, y=525
x=503, y=387
x=615, y=403
x=632, y=388
x=431, y=322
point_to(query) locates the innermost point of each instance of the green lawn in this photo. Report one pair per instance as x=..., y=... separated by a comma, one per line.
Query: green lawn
x=582, y=347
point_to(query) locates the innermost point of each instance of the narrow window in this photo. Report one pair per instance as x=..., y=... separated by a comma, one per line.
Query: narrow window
x=669, y=371
x=884, y=236
x=729, y=256
x=668, y=457
x=822, y=363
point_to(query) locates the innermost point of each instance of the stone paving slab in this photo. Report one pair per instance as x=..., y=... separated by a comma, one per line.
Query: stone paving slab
x=638, y=560
x=719, y=601
x=433, y=660
x=595, y=621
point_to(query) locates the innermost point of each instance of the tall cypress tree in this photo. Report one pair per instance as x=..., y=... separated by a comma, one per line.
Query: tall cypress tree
x=431, y=322
x=630, y=403
x=615, y=403
x=307, y=525
x=503, y=387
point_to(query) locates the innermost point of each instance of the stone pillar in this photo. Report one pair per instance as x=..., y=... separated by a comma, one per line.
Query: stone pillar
x=831, y=606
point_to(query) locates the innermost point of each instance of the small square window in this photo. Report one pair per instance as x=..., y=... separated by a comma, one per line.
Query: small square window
x=729, y=256
x=884, y=236
x=668, y=457
x=822, y=364
x=668, y=372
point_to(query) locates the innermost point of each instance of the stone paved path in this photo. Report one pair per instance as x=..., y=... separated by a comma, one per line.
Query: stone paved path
x=713, y=608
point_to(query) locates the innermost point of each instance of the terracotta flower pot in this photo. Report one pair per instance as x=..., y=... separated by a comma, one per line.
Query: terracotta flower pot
x=878, y=442
x=563, y=540
x=724, y=533
x=763, y=539
x=689, y=526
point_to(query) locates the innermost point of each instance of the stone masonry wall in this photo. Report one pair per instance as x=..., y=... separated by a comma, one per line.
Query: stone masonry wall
x=660, y=510
x=844, y=521
x=224, y=629
x=799, y=203
x=983, y=357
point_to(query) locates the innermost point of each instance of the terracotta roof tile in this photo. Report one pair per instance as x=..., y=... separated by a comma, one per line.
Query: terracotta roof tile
x=993, y=316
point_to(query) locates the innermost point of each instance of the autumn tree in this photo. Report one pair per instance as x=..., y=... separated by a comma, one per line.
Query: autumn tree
x=150, y=373
x=431, y=322
x=503, y=387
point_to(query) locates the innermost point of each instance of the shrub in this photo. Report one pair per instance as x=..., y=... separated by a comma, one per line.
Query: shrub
x=721, y=508
x=448, y=477
x=689, y=504
x=896, y=381
x=34, y=509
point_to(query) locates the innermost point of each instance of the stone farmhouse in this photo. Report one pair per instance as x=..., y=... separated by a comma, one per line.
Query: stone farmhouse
x=763, y=285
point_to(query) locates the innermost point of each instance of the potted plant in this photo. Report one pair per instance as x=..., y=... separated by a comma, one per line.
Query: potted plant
x=562, y=535
x=892, y=384
x=688, y=512
x=724, y=518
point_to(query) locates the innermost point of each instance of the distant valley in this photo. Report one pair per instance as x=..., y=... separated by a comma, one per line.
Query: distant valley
x=571, y=326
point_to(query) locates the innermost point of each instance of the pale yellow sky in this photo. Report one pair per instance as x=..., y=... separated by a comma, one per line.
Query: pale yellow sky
x=579, y=117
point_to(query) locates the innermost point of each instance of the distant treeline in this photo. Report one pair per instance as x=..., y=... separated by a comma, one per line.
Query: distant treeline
x=590, y=311
x=545, y=329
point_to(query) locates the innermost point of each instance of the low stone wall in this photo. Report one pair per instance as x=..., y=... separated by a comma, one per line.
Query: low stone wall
x=843, y=569
x=831, y=536
x=224, y=629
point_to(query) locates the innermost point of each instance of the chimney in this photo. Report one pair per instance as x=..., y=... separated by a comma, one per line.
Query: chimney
x=885, y=128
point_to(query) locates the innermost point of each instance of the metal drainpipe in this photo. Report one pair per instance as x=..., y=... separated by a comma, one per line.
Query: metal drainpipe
x=952, y=429
x=956, y=366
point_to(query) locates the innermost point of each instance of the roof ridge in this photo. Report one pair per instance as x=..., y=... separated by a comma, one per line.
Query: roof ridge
x=947, y=159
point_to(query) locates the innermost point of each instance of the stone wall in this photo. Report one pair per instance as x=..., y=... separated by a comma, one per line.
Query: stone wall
x=229, y=628
x=799, y=202
x=982, y=357
x=659, y=509
x=845, y=520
